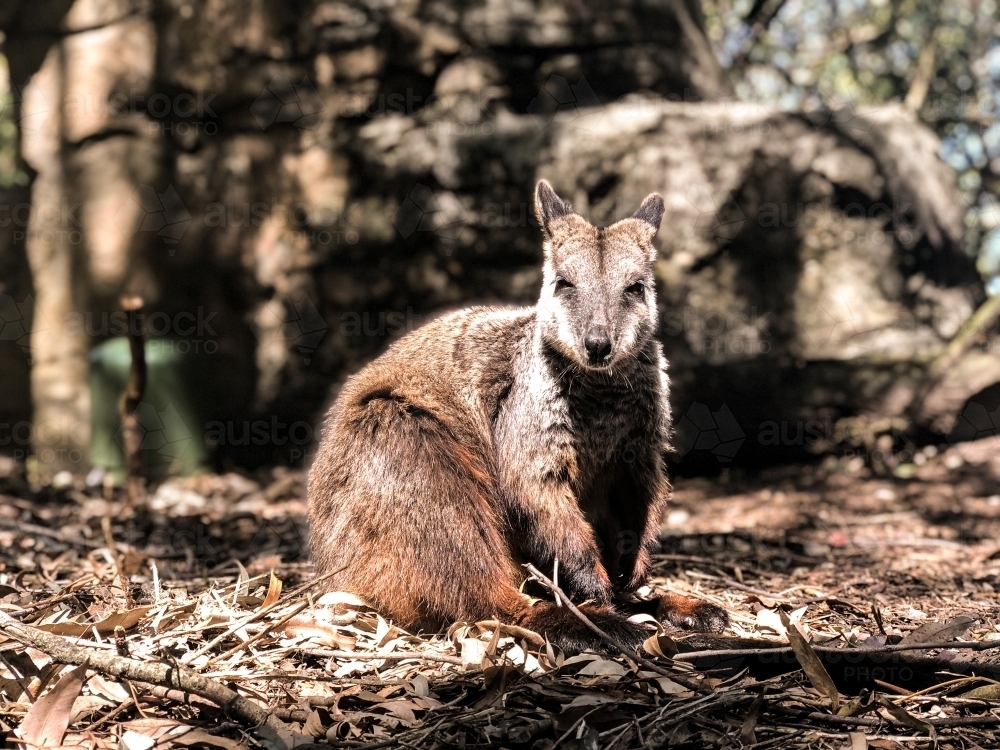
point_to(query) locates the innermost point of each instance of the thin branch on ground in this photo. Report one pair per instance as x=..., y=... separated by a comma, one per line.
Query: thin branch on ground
x=61, y=650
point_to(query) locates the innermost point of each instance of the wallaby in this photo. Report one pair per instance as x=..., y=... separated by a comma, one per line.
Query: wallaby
x=493, y=436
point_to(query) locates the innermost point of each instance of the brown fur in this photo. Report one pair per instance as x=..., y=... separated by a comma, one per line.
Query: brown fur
x=492, y=437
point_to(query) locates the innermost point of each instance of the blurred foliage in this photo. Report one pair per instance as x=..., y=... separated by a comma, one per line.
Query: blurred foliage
x=10, y=170
x=940, y=58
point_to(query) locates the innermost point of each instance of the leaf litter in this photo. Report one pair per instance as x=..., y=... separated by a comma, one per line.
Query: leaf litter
x=213, y=576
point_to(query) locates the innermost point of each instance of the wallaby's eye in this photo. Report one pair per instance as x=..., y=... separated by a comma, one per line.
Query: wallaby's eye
x=562, y=284
x=636, y=289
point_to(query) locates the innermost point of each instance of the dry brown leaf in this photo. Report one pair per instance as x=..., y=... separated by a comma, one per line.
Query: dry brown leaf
x=669, y=687
x=280, y=739
x=109, y=689
x=747, y=734
x=601, y=667
x=334, y=598
x=420, y=686
x=273, y=591
x=903, y=716
x=85, y=705
x=858, y=741
x=313, y=627
x=473, y=653
x=811, y=663
x=402, y=710
x=132, y=740
x=242, y=587
x=936, y=632
x=125, y=619
x=661, y=645
x=588, y=699
x=314, y=724
x=47, y=720
x=989, y=692
x=862, y=704
x=768, y=618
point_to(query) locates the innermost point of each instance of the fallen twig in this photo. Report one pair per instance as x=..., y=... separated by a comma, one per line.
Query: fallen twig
x=394, y=656
x=866, y=651
x=866, y=721
x=61, y=650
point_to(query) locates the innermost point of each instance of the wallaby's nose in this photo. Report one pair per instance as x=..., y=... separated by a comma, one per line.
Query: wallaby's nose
x=598, y=345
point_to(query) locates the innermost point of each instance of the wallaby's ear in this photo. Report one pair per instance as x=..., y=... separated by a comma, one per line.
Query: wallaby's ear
x=548, y=205
x=651, y=211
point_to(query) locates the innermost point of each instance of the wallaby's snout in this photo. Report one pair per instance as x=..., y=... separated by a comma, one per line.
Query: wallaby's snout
x=598, y=305
x=597, y=343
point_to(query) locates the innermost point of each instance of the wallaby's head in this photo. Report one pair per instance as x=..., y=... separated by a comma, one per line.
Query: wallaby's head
x=598, y=301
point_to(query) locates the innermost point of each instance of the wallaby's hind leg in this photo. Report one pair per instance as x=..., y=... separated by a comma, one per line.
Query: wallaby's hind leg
x=568, y=632
x=407, y=510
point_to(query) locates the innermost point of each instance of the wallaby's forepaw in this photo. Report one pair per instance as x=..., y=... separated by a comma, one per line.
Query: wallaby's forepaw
x=691, y=614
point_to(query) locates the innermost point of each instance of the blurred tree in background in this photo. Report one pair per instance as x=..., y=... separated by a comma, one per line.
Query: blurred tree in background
x=10, y=167
x=942, y=59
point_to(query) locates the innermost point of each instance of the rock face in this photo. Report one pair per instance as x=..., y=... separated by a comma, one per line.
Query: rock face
x=292, y=185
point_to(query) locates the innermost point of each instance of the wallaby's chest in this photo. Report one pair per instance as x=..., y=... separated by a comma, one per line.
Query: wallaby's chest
x=583, y=429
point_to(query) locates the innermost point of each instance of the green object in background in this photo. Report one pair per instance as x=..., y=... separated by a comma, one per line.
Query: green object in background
x=173, y=442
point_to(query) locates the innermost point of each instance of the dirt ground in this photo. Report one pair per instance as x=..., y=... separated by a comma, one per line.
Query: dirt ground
x=213, y=577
